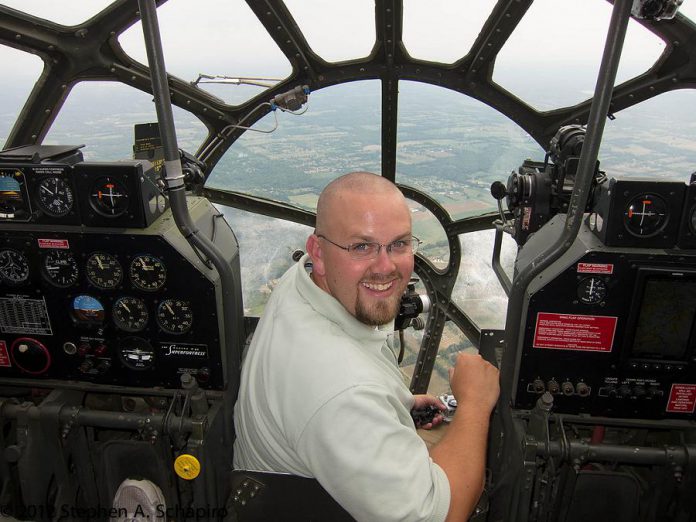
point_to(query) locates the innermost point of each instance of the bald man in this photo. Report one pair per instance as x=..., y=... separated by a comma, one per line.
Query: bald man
x=321, y=394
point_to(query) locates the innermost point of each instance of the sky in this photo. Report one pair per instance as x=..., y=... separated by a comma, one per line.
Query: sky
x=226, y=35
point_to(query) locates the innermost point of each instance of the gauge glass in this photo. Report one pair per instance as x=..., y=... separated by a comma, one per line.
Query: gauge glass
x=109, y=197
x=136, y=353
x=130, y=314
x=104, y=270
x=175, y=316
x=148, y=273
x=55, y=196
x=14, y=205
x=60, y=268
x=14, y=266
x=592, y=290
x=87, y=309
x=646, y=215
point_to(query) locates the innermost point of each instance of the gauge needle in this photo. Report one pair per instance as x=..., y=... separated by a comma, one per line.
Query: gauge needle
x=169, y=307
x=124, y=305
x=46, y=189
x=101, y=267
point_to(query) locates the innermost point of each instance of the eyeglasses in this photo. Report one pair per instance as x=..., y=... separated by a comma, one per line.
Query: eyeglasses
x=370, y=249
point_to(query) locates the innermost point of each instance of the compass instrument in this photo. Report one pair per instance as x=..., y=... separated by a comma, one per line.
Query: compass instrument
x=646, y=215
x=60, y=268
x=109, y=197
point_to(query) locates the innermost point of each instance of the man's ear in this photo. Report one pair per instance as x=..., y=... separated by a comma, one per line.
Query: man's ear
x=314, y=250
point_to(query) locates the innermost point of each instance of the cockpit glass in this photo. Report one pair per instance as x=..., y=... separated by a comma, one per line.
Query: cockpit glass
x=655, y=139
x=338, y=133
x=336, y=30
x=441, y=30
x=65, y=12
x=217, y=44
x=108, y=134
x=546, y=43
x=16, y=88
x=688, y=9
x=453, y=147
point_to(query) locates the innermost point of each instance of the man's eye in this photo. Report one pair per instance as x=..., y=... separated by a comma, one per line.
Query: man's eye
x=361, y=247
x=399, y=244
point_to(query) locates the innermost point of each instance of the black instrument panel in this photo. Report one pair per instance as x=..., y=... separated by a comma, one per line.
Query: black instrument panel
x=110, y=308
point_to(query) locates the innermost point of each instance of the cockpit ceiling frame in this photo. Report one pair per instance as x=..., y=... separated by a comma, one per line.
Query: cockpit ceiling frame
x=90, y=51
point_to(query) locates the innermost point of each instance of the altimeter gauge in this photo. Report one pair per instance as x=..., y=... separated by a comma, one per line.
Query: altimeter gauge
x=175, y=316
x=60, y=268
x=148, y=273
x=55, y=196
x=130, y=314
x=14, y=267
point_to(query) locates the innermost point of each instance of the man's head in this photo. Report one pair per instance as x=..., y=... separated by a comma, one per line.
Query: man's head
x=357, y=208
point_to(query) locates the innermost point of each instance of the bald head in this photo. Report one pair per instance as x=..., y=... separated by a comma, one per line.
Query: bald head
x=338, y=190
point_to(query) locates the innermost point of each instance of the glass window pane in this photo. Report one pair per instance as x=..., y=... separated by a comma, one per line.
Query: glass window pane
x=551, y=63
x=453, y=147
x=265, y=251
x=655, y=139
x=442, y=30
x=17, y=86
x=108, y=134
x=215, y=38
x=336, y=30
x=428, y=229
x=339, y=133
x=65, y=12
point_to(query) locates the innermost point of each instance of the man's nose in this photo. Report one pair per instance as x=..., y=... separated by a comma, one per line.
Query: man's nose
x=384, y=262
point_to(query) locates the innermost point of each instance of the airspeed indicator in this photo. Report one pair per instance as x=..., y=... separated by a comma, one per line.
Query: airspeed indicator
x=175, y=316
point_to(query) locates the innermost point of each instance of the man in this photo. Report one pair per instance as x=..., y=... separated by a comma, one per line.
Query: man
x=321, y=394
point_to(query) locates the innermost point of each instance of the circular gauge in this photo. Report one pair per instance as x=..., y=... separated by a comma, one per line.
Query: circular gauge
x=13, y=204
x=592, y=290
x=148, y=273
x=60, y=268
x=14, y=267
x=86, y=309
x=136, y=353
x=109, y=197
x=104, y=270
x=175, y=316
x=55, y=196
x=130, y=314
x=646, y=215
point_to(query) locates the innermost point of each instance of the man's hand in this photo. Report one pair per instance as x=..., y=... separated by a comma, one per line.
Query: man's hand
x=474, y=382
x=423, y=402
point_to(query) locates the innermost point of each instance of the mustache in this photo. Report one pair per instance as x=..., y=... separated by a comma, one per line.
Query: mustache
x=382, y=278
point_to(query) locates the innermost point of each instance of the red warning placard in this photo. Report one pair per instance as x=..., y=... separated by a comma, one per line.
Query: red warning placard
x=4, y=356
x=593, y=333
x=595, y=268
x=682, y=398
x=53, y=243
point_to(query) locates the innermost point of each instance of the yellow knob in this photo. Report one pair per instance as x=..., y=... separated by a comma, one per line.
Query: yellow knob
x=187, y=466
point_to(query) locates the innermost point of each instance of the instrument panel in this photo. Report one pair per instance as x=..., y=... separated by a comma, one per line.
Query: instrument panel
x=135, y=307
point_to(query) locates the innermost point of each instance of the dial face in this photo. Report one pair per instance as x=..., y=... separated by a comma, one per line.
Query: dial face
x=646, y=215
x=175, y=316
x=14, y=205
x=109, y=197
x=87, y=309
x=60, y=268
x=136, y=353
x=592, y=290
x=148, y=273
x=130, y=314
x=104, y=270
x=55, y=196
x=14, y=267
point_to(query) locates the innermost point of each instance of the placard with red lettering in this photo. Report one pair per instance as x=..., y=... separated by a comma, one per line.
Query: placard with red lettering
x=4, y=355
x=53, y=243
x=586, y=333
x=682, y=398
x=596, y=268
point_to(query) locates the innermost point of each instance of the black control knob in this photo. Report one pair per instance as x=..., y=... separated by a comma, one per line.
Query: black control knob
x=582, y=389
x=498, y=190
x=538, y=386
x=567, y=388
x=552, y=386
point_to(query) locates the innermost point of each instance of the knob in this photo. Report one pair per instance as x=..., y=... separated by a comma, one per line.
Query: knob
x=538, y=386
x=552, y=386
x=582, y=389
x=567, y=388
